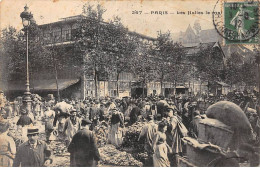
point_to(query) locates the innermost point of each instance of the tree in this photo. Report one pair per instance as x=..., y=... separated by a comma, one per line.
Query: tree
x=107, y=47
x=168, y=57
x=13, y=52
x=11, y=60
x=233, y=69
x=90, y=39
x=122, y=48
x=143, y=67
x=209, y=62
x=248, y=73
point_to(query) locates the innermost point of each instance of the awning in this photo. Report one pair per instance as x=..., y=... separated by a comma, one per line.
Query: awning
x=181, y=87
x=222, y=84
x=42, y=85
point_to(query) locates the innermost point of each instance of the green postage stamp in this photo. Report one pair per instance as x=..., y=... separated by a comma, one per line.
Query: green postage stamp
x=241, y=20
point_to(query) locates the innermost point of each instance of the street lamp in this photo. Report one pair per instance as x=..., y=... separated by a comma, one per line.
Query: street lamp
x=26, y=19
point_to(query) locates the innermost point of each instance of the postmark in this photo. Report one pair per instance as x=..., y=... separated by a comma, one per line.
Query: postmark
x=239, y=22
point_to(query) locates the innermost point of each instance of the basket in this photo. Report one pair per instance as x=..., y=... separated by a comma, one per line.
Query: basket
x=215, y=132
x=197, y=156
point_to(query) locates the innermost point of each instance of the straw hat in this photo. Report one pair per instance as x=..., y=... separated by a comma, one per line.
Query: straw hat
x=32, y=131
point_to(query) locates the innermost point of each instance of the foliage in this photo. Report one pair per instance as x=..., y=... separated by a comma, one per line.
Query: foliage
x=209, y=63
x=106, y=47
x=169, y=58
x=238, y=70
x=143, y=67
x=13, y=52
x=233, y=69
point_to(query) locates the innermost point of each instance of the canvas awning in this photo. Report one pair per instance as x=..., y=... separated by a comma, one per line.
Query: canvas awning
x=181, y=87
x=222, y=84
x=42, y=85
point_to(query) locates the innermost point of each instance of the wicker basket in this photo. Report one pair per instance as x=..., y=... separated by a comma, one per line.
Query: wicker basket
x=200, y=154
x=215, y=132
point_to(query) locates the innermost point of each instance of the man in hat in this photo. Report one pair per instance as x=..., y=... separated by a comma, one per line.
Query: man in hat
x=33, y=153
x=148, y=133
x=72, y=126
x=83, y=147
x=7, y=145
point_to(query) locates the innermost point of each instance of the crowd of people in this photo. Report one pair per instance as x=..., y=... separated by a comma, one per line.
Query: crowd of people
x=167, y=121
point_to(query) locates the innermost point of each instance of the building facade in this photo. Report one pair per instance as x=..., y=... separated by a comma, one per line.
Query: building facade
x=70, y=80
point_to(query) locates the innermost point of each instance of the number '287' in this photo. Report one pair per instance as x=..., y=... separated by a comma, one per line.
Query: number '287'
x=137, y=12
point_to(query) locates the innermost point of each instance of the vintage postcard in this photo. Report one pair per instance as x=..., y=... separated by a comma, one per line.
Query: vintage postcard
x=120, y=83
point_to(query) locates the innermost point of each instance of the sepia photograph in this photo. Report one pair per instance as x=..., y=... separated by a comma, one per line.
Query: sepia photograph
x=120, y=83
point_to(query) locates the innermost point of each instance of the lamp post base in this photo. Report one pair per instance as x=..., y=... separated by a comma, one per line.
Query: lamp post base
x=27, y=102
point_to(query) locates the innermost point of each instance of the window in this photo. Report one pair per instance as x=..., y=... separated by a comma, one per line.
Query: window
x=113, y=93
x=46, y=37
x=57, y=35
x=66, y=34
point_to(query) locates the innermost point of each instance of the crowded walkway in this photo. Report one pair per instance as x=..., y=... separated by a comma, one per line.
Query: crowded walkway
x=110, y=131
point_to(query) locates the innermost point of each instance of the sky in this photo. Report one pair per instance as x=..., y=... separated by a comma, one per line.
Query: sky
x=46, y=11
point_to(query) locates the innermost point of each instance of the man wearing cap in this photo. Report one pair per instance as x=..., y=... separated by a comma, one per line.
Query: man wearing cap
x=7, y=145
x=83, y=148
x=33, y=153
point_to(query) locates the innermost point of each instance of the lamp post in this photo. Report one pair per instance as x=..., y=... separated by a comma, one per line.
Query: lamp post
x=26, y=19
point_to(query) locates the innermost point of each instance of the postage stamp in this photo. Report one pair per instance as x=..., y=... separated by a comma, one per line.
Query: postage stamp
x=240, y=22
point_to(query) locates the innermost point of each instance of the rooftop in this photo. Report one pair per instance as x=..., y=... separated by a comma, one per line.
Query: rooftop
x=74, y=19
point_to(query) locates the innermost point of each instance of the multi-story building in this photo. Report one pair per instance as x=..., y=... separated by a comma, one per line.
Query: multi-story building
x=66, y=73
x=60, y=35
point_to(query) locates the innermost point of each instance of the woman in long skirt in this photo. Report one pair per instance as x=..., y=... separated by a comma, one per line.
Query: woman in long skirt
x=160, y=147
x=115, y=136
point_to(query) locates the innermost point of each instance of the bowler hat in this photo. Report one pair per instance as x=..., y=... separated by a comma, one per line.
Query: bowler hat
x=32, y=131
x=4, y=125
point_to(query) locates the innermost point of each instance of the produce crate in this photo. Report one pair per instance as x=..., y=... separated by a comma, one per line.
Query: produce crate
x=215, y=132
x=198, y=154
